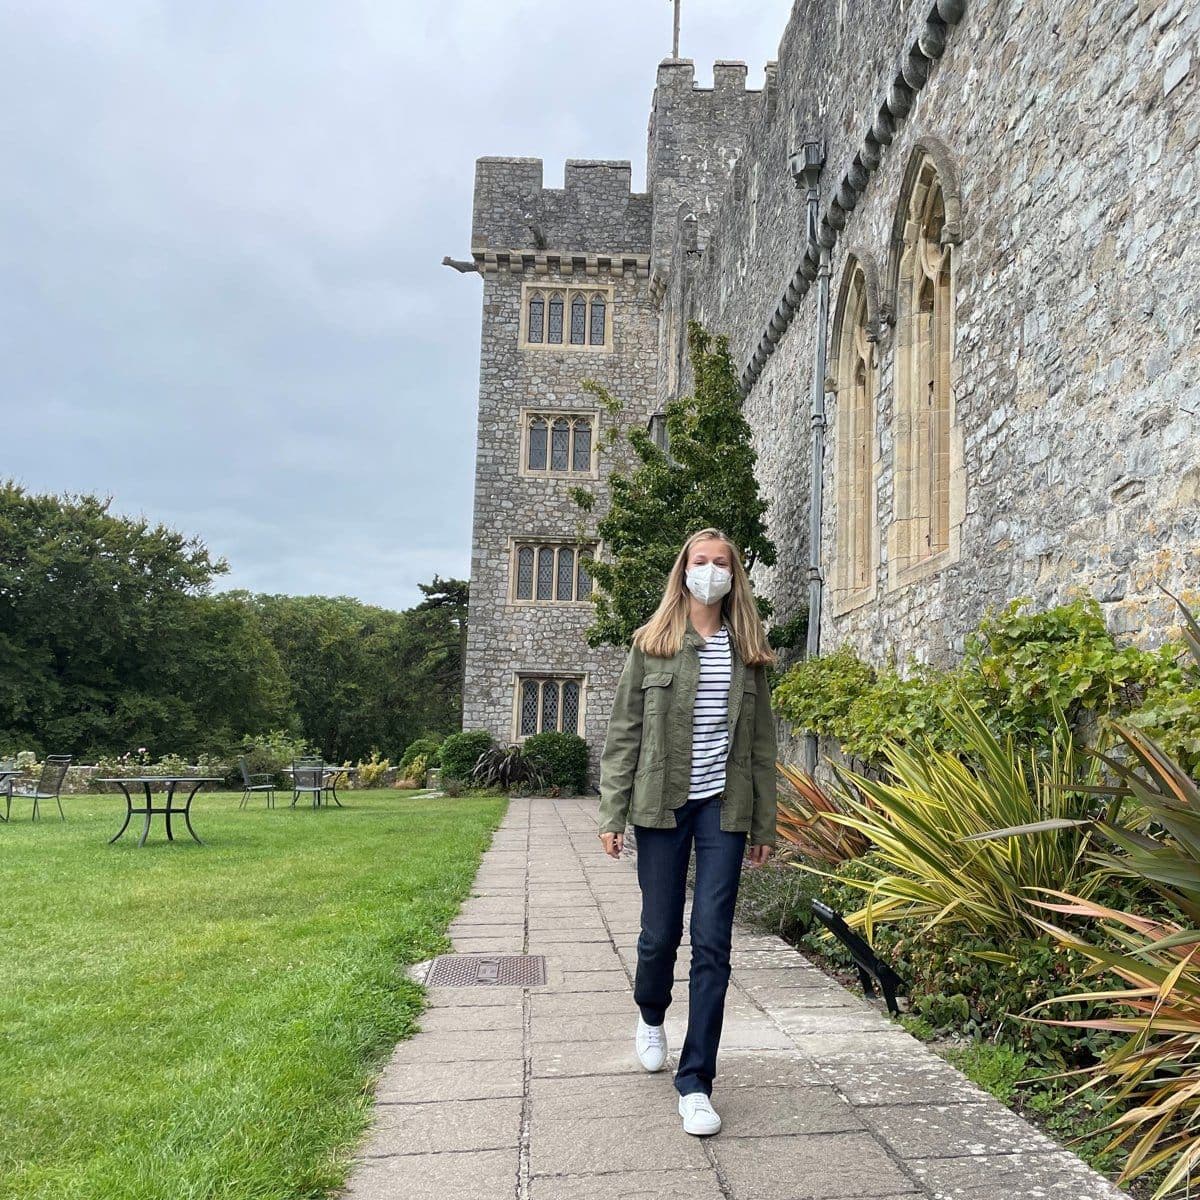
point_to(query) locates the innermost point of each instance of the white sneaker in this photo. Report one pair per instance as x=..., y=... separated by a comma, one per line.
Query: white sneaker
x=698, y=1114
x=651, y=1043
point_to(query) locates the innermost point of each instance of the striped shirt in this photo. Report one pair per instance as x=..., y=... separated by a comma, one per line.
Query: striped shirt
x=710, y=729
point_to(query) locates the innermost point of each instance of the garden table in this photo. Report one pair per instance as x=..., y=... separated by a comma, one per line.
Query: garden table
x=7, y=773
x=169, y=809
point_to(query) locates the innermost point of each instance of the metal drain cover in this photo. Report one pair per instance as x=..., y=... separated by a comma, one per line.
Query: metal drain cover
x=476, y=970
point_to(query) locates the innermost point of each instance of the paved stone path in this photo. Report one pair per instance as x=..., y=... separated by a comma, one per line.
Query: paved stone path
x=537, y=1094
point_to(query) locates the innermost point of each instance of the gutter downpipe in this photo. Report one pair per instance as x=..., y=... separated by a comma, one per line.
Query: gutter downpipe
x=814, y=161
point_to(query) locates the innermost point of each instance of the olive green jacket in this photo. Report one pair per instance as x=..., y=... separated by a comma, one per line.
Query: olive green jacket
x=646, y=764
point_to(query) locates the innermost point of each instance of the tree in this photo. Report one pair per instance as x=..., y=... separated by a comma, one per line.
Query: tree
x=707, y=480
x=109, y=639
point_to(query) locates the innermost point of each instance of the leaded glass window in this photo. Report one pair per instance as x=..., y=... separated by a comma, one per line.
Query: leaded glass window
x=566, y=573
x=545, y=573
x=525, y=573
x=552, y=572
x=537, y=444
x=567, y=315
x=529, y=707
x=570, y=706
x=550, y=706
x=560, y=439
x=581, y=450
x=537, y=307
x=597, y=330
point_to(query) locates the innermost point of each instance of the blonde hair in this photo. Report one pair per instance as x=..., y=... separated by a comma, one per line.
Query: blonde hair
x=662, y=635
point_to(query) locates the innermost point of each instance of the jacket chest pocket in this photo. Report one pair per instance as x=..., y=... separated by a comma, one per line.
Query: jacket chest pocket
x=656, y=702
x=656, y=691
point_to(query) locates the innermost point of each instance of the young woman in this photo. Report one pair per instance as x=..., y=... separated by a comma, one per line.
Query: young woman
x=690, y=758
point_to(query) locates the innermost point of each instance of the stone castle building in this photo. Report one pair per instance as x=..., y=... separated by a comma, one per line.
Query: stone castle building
x=955, y=247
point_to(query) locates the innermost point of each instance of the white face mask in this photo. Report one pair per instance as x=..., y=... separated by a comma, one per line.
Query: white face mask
x=709, y=582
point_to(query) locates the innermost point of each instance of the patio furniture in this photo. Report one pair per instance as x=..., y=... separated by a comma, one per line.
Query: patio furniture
x=330, y=774
x=308, y=775
x=256, y=782
x=169, y=809
x=48, y=786
x=870, y=965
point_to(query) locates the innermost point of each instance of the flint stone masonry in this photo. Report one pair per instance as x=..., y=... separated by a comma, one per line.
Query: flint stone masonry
x=1068, y=133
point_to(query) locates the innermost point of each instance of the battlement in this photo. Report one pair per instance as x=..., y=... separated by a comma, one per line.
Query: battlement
x=696, y=134
x=594, y=211
x=679, y=75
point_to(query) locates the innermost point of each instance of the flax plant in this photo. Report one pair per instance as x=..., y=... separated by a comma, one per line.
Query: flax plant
x=918, y=820
x=803, y=820
x=1153, y=1076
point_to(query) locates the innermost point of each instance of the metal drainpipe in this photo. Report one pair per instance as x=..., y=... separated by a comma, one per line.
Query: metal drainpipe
x=814, y=160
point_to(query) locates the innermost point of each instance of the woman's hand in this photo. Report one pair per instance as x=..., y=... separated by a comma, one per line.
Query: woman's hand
x=612, y=843
x=758, y=855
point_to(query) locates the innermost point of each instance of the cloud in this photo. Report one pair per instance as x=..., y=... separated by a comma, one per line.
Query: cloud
x=220, y=235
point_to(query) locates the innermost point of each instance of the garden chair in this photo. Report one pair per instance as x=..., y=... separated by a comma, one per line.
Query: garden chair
x=308, y=775
x=48, y=786
x=257, y=782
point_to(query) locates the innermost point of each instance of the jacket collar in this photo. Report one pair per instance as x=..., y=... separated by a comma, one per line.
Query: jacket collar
x=691, y=637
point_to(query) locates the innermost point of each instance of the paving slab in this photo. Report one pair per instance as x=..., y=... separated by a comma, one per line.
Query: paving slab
x=536, y=1093
x=480, y=1174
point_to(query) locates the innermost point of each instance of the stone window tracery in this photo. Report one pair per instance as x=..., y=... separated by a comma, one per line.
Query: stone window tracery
x=566, y=318
x=548, y=705
x=552, y=572
x=557, y=443
x=923, y=373
x=854, y=379
x=928, y=480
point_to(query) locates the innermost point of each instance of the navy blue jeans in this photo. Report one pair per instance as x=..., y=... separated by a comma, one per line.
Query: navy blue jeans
x=662, y=864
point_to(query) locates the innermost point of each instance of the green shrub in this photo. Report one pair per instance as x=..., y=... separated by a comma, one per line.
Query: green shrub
x=429, y=745
x=563, y=759
x=373, y=771
x=272, y=753
x=1017, y=667
x=417, y=767
x=461, y=751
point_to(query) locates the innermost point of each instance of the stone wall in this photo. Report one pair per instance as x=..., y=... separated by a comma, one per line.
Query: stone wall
x=1068, y=134
x=507, y=639
x=1073, y=131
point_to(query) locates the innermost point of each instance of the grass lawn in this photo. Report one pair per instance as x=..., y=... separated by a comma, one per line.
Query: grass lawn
x=184, y=1021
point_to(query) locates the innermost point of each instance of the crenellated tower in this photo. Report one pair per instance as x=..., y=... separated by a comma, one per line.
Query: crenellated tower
x=566, y=298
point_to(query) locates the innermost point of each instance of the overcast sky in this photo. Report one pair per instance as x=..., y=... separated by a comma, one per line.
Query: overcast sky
x=221, y=228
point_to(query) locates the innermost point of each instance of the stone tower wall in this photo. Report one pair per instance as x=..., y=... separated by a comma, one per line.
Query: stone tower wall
x=594, y=231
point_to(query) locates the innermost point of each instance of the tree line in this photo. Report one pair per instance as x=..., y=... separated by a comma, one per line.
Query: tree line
x=112, y=639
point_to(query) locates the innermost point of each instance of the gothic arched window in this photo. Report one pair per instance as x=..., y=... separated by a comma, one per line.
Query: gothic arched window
x=548, y=705
x=537, y=309
x=924, y=415
x=854, y=375
x=558, y=443
x=597, y=331
x=578, y=319
x=524, y=589
x=553, y=572
x=554, y=334
x=536, y=457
